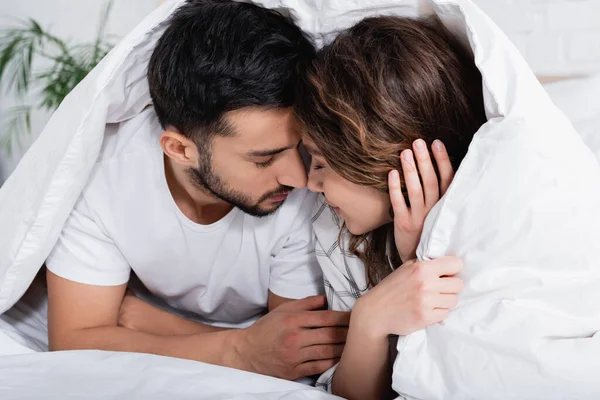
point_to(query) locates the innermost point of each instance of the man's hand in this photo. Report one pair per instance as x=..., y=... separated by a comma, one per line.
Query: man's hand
x=135, y=313
x=292, y=341
x=295, y=340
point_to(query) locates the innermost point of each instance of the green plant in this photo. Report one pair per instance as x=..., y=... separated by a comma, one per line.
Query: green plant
x=64, y=66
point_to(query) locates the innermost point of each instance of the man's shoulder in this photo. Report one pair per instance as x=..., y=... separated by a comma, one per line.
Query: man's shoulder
x=129, y=162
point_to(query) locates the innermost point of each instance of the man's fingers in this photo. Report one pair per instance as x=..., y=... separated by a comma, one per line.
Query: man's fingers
x=396, y=196
x=321, y=352
x=429, y=179
x=321, y=319
x=314, y=367
x=444, y=165
x=412, y=182
x=306, y=304
x=315, y=336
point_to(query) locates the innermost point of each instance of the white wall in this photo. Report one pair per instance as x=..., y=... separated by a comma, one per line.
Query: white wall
x=557, y=37
x=77, y=20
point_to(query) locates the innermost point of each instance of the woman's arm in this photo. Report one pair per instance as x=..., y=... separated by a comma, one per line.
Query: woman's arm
x=414, y=296
x=365, y=369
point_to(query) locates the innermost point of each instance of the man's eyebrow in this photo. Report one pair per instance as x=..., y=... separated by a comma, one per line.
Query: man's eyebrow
x=267, y=153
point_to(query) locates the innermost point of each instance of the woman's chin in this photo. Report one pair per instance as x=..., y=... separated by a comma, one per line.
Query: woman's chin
x=357, y=229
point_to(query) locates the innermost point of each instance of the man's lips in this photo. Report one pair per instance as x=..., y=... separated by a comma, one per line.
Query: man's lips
x=280, y=197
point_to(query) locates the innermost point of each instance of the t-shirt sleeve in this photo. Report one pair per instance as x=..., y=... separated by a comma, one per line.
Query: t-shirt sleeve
x=295, y=272
x=85, y=254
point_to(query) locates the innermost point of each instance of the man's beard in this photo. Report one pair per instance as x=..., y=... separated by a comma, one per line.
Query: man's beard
x=205, y=179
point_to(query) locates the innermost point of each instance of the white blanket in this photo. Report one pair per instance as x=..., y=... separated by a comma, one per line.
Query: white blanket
x=107, y=375
x=523, y=212
x=527, y=230
x=37, y=198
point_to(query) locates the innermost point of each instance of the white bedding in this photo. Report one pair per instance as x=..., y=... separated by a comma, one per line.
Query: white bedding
x=121, y=375
x=110, y=375
x=36, y=200
x=27, y=371
x=523, y=213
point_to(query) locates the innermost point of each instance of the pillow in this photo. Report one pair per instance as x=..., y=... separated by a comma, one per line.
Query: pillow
x=523, y=212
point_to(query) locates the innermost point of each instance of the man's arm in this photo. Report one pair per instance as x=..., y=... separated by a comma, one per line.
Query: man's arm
x=284, y=343
x=139, y=315
x=85, y=317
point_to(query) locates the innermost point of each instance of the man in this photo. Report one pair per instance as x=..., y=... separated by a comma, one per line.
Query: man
x=205, y=202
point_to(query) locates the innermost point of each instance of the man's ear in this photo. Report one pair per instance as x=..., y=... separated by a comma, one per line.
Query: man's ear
x=179, y=148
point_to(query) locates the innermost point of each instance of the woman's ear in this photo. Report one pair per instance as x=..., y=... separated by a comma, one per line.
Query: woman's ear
x=179, y=148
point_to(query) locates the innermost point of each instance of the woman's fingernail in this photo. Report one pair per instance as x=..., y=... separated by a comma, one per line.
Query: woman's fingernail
x=408, y=156
x=394, y=175
x=420, y=145
x=438, y=146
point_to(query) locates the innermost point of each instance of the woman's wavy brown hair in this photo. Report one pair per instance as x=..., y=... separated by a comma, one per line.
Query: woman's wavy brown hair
x=372, y=92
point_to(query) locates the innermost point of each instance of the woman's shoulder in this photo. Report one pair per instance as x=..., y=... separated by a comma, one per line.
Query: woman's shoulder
x=343, y=273
x=324, y=220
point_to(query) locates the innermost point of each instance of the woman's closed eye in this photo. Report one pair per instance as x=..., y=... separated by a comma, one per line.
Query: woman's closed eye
x=317, y=163
x=316, y=166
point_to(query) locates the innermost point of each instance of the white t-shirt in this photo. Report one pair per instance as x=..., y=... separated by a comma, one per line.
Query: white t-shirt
x=126, y=219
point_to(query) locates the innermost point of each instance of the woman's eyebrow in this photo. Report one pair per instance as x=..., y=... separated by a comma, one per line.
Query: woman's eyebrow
x=313, y=151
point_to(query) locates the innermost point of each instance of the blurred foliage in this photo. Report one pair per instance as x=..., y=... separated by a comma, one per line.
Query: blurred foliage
x=65, y=65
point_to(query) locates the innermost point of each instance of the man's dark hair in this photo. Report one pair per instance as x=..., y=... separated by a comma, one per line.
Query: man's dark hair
x=217, y=56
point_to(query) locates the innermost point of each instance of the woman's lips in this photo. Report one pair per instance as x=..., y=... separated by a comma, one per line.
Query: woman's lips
x=334, y=208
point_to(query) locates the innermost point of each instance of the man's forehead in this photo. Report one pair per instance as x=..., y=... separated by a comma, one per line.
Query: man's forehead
x=259, y=129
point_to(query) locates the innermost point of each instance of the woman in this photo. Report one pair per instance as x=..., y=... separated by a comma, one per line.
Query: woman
x=383, y=87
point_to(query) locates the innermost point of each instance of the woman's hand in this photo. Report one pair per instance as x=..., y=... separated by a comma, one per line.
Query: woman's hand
x=414, y=296
x=408, y=222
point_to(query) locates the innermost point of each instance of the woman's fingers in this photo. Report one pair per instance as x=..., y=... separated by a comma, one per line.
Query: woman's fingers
x=450, y=285
x=438, y=315
x=446, y=301
x=444, y=165
x=413, y=184
x=446, y=266
x=396, y=196
x=429, y=178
